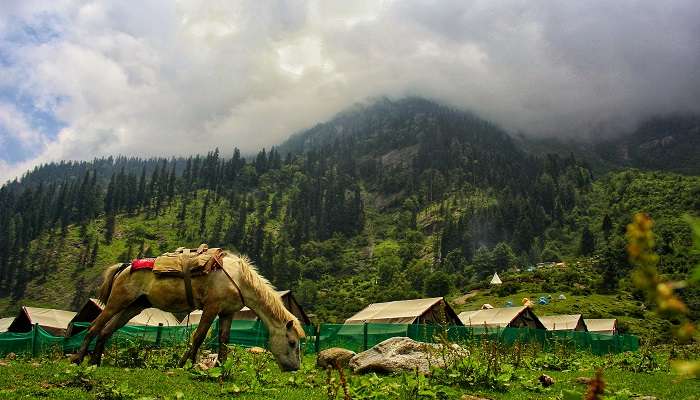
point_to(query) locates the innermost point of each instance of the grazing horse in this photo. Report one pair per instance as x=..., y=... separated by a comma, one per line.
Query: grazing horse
x=220, y=292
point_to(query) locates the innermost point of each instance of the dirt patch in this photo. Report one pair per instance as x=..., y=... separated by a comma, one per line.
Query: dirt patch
x=463, y=299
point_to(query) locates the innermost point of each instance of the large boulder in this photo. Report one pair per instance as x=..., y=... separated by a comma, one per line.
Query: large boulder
x=330, y=358
x=405, y=354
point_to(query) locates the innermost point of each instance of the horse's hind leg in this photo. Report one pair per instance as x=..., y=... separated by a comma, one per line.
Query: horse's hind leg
x=115, y=323
x=224, y=332
x=208, y=316
x=112, y=309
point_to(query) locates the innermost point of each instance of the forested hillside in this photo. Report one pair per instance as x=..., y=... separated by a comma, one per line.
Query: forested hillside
x=388, y=201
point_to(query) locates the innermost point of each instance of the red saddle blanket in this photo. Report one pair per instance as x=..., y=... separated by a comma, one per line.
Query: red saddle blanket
x=142, y=263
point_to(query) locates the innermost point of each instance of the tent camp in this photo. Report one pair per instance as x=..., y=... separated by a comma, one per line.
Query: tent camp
x=53, y=321
x=496, y=280
x=5, y=323
x=603, y=326
x=247, y=314
x=572, y=322
x=418, y=311
x=147, y=317
x=512, y=317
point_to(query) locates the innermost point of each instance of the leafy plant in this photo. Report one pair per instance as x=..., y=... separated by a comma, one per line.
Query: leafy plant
x=81, y=376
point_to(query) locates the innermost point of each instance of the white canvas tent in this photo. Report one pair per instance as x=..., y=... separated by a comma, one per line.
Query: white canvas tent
x=417, y=311
x=604, y=326
x=192, y=318
x=154, y=317
x=496, y=280
x=5, y=323
x=53, y=321
x=513, y=317
x=573, y=322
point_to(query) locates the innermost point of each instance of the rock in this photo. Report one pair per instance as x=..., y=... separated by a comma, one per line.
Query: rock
x=470, y=397
x=11, y=356
x=329, y=358
x=546, y=380
x=583, y=380
x=257, y=350
x=645, y=398
x=208, y=361
x=405, y=354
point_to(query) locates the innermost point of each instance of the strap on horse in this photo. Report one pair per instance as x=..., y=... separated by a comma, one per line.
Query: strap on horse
x=187, y=277
x=240, y=294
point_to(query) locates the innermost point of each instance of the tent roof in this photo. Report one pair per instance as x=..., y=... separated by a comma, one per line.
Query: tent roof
x=154, y=316
x=192, y=318
x=560, y=322
x=491, y=317
x=396, y=312
x=496, y=280
x=5, y=323
x=601, y=325
x=48, y=317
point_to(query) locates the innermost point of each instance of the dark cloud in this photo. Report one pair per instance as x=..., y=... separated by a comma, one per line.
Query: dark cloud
x=169, y=78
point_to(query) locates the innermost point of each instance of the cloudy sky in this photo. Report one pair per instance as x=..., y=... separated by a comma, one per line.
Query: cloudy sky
x=80, y=79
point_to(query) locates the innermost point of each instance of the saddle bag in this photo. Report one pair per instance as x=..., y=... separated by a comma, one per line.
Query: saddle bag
x=192, y=262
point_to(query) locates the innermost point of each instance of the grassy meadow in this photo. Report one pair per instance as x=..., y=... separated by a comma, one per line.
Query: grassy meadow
x=492, y=372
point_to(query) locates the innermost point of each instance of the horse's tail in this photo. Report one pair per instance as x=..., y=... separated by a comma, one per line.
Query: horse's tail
x=107, y=280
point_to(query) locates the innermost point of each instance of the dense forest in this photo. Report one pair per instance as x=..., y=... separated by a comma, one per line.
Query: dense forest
x=393, y=200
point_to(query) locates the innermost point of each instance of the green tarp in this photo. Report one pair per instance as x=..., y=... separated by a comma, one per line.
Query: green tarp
x=356, y=337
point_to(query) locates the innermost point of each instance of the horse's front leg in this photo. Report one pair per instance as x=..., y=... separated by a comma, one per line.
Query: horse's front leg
x=205, y=322
x=224, y=332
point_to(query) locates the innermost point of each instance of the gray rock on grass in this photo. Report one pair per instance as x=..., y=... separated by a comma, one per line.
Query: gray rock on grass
x=405, y=354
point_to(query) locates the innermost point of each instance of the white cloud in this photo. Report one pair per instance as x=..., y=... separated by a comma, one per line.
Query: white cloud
x=165, y=78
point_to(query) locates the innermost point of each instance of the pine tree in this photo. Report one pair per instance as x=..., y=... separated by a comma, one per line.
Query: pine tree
x=587, y=242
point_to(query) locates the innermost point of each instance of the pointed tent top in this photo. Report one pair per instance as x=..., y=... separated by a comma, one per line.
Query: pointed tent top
x=496, y=280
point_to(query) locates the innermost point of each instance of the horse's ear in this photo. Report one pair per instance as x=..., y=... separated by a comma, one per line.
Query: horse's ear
x=290, y=325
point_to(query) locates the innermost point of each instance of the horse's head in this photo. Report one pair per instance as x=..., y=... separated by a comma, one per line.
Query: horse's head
x=284, y=345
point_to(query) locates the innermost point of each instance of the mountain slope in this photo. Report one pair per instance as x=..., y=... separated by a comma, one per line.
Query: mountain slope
x=393, y=200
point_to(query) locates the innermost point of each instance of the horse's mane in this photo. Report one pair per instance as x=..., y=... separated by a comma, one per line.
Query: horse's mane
x=264, y=290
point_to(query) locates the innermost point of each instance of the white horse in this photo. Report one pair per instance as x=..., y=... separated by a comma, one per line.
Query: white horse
x=220, y=292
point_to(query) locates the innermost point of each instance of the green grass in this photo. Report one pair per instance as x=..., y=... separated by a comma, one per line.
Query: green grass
x=47, y=379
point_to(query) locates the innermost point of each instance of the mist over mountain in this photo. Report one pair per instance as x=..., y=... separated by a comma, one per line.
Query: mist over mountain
x=82, y=80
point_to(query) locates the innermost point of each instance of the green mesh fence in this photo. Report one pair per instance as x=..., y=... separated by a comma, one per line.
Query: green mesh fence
x=357, y=337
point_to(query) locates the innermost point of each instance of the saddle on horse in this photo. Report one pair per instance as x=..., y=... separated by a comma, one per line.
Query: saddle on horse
x=184, y=263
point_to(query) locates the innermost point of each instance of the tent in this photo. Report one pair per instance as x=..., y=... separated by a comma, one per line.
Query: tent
x=562, y=297
x=5, y=323
x=512, y=317
x=53, y=321
x=148, y=317
x=572, y=322
x=496, y=280
x=247, y=314
x=417, y=311
x=154, y=317
x=486, y=306
x=192, y=318
x=90, y=310
x=603, y=326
